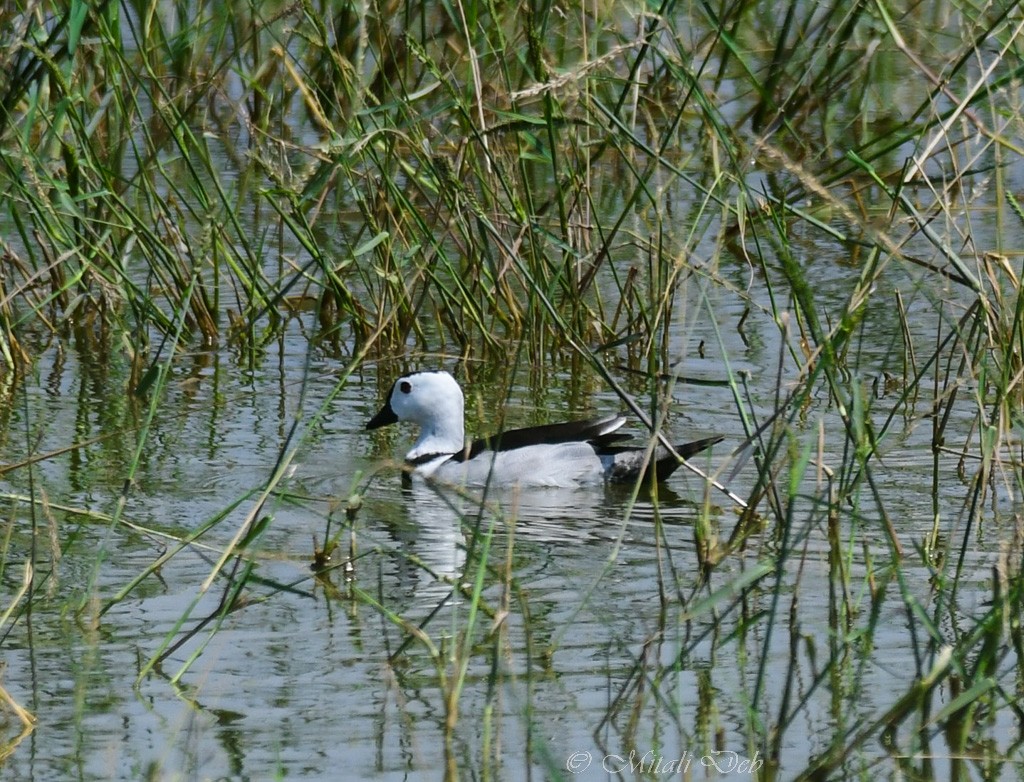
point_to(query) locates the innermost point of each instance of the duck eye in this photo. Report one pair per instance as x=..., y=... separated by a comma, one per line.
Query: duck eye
x=405, y=387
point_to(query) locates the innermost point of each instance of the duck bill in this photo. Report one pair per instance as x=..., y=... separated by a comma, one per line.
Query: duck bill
x=384, y=417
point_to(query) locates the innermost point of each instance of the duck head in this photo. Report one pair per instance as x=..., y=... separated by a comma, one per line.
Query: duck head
x=434, y=401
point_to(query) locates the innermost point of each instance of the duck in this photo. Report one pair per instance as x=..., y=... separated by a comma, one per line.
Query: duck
x=565, y=455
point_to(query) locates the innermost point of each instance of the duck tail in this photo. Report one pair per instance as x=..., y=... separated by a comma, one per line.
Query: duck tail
x=664, y=466
x=692, y=449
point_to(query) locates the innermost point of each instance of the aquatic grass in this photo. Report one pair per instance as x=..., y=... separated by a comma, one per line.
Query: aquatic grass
x=549, y=120
x=509, y=184
x=24, y=716
x=453, y=646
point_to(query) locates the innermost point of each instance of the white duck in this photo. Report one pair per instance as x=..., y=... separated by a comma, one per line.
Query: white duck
x=563, y=455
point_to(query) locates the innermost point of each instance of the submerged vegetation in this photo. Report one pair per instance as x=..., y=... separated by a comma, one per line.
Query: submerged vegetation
x=615, y=188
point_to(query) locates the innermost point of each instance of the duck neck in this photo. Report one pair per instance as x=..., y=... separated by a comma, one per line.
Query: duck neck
x=446, y=436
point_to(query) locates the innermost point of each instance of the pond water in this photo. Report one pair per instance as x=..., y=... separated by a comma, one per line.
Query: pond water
x=588, y=673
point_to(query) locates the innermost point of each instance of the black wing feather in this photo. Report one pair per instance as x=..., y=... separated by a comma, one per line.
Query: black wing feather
x=599, y=432
x=602, y=433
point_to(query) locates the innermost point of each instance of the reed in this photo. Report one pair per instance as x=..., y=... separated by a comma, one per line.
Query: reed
x=524, y=185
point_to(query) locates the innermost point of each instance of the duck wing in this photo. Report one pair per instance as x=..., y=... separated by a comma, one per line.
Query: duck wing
x=599, y=432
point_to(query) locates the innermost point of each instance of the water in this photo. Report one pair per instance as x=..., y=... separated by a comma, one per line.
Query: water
x=284, y=679
x=588, y=673
x=587, y=662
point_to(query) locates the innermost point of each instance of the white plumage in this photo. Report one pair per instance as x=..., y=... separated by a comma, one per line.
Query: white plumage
x=565, y=455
